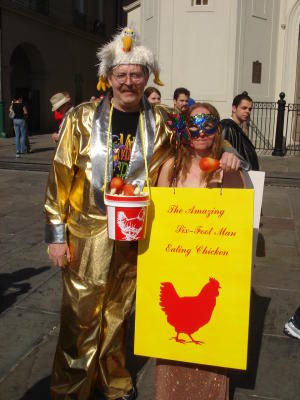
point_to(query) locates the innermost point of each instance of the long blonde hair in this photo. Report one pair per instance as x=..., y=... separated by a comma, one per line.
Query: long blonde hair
x=183, y=158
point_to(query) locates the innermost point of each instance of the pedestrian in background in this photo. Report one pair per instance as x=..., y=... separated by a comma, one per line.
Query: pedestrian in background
x=191, y=102
x=153, y=95
x=100, y=96
x=61, y=104
x=19, y=113
x=233, y=129
x=181, y=99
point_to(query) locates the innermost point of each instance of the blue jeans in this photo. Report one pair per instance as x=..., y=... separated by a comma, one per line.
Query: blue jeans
x=20, y=131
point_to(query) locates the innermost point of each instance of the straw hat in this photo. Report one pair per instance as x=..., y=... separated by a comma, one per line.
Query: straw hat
x=125, y=49
x=58, y=100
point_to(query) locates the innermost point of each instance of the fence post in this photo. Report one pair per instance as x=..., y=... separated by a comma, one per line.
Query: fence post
x=278, y=150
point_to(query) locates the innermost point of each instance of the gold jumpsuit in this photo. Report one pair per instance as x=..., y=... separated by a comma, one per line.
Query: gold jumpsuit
x=99, y=282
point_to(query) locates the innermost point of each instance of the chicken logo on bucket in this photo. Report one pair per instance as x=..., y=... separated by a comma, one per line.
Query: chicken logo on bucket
x=129, y=224
x=188, y=314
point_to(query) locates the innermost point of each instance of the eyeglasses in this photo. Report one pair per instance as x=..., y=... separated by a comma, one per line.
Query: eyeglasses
x=206, y=123
x=134, y=77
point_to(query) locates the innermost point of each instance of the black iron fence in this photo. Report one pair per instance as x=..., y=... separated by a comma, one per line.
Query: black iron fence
x=262, y=125
x=275, y=127
x=292, y=131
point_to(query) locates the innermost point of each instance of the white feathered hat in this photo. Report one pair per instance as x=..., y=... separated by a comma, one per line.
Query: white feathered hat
x=124, y=49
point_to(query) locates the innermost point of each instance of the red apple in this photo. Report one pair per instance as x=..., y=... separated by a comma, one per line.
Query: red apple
x=116, y=184
x=128, y=189
x=208, y=164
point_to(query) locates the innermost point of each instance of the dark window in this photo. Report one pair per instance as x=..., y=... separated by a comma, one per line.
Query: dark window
x=200, y=3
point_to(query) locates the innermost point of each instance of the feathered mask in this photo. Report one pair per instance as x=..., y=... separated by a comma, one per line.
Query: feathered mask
x=178, y=123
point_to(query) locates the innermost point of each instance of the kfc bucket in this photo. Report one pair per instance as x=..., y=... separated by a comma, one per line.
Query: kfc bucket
x=126, y=216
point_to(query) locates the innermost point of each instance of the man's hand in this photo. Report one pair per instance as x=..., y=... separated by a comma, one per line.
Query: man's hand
x=229, y=162
x=59, y=253
x=55, y=137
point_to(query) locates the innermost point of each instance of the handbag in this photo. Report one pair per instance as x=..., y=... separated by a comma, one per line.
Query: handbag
x=11, y=114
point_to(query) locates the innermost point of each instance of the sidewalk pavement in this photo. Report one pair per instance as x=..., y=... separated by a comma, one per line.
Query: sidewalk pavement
x=31, y=289
x=42, y=148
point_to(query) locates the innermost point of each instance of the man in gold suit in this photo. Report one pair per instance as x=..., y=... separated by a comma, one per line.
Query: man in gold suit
x=99, y=274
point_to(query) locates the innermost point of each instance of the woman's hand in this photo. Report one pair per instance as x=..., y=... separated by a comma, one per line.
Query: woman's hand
x=229, y=162
x=59, y=253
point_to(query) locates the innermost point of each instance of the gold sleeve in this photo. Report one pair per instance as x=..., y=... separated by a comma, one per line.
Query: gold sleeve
x=162, y=147
x=60, y=183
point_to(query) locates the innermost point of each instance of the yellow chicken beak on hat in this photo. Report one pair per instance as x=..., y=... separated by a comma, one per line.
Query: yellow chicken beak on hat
x=128, y=36
x=127, y=43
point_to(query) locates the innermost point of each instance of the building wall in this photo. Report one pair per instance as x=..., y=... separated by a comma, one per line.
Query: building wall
x=210, y=50
x=61, y=10
x=195, y=47
x=287, y=79
x=61, y=56
x=134, y=18
x=257, y=41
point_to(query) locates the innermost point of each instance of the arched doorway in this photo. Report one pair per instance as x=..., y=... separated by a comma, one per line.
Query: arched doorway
x=26, y=78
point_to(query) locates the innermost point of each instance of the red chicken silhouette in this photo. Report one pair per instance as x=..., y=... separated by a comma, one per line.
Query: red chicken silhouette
x=188, y=314
x=131, y=227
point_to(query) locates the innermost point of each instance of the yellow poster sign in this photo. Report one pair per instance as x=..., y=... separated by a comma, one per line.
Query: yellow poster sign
x=194, y=274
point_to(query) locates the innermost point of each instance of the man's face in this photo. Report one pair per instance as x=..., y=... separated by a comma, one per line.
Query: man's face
x=242, y=111
x=182, y=102
x=64, y=108
x=128, y=83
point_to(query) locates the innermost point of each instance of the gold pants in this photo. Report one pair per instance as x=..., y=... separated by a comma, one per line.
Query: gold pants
x=91, y=345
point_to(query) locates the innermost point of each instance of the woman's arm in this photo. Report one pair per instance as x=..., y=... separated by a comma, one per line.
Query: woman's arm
x=25, y=110
x=234, y=179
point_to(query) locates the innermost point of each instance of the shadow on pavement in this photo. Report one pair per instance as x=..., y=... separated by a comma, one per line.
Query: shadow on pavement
x=42, y=149
x=11, y=285
x=40, y=391
x=246, y=379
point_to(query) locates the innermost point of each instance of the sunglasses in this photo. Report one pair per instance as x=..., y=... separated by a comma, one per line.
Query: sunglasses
x=206, y=123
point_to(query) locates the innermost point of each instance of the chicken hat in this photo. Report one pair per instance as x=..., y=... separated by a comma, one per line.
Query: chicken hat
x=124, y=49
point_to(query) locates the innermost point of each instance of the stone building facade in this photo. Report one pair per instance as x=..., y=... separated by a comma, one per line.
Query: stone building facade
x=48, y=46
x=219, y=48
